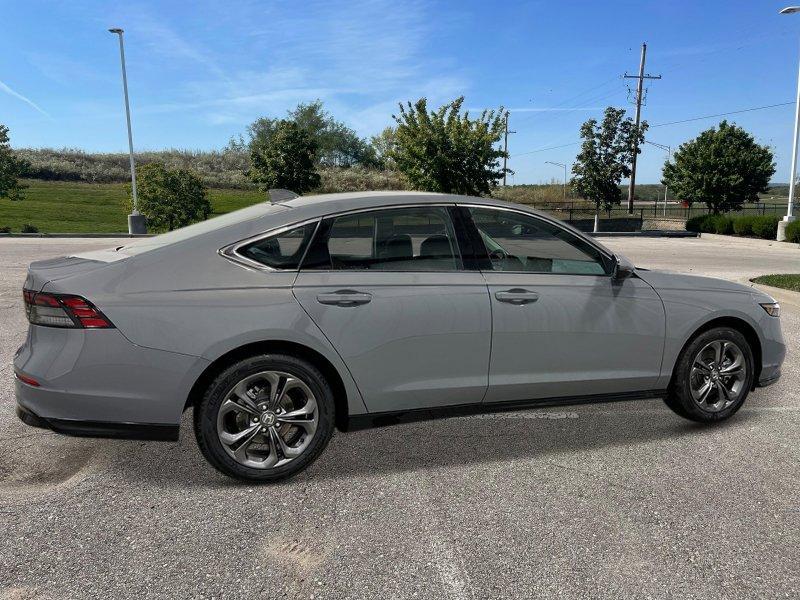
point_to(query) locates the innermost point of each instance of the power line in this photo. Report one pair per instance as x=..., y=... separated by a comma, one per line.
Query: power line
x=546, y=149
x=571, y=99
x=733, y=112
x=567, y=111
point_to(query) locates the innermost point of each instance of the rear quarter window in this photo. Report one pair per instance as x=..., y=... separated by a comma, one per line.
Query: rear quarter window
x=280, y=251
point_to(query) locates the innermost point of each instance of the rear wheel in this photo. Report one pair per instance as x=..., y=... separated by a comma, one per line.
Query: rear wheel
x=713, y=376
x=265, y=418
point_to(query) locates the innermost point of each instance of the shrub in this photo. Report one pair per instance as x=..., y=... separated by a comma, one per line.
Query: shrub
x=766, y=227
x=28, y=228
x=358, y=179
x=744, y=225
x=793, y=232
x=217, y=168
x=723, y=224
x=170, y=198
x=700, y=224
x=5, y=229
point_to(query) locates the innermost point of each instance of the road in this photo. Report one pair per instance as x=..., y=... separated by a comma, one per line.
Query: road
x=621, y=500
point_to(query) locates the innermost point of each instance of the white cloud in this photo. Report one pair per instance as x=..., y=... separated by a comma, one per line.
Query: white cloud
x=360, y=58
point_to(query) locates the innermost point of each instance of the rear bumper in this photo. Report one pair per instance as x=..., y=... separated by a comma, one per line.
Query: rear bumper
x=98, y=376
x=103, y=429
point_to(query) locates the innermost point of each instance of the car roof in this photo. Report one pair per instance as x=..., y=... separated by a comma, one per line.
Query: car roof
x=320, y=205
x=258, y=218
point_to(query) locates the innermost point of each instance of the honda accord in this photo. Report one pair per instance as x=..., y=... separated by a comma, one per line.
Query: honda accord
x=278, y=323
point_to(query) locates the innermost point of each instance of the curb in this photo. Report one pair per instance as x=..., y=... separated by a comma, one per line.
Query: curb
x=653, y=233
x=780, y=294
x=752, y=241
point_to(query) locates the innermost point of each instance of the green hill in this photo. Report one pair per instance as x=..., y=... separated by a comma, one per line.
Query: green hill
x=73, y=207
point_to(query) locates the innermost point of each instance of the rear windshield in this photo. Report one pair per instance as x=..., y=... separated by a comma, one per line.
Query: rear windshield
x=190, y=231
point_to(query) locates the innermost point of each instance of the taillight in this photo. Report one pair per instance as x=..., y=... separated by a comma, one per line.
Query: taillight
x=63, y=310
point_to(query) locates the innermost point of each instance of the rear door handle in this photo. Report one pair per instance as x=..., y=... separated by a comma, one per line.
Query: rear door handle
x=344, y=298
x=517, y=296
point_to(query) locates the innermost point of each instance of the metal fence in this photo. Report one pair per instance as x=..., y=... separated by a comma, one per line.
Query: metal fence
x=573, y=211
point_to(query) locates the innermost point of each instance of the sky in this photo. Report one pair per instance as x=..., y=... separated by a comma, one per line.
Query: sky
x=199, y=72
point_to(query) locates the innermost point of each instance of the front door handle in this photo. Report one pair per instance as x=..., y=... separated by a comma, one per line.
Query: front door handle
x=517, y=296
x=344, y=298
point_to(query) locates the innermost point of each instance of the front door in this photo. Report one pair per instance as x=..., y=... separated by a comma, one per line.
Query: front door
x=389, y=291
x=562, y=326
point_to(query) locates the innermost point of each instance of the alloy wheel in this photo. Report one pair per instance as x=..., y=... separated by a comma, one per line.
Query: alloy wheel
x=718, y=375
x=267, y=419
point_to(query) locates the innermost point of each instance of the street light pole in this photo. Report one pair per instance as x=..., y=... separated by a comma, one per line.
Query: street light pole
x=789, y=216
x=136, y=222
x=558, y=164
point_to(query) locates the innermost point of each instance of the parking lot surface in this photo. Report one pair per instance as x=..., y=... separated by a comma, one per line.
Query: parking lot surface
x=622, y=500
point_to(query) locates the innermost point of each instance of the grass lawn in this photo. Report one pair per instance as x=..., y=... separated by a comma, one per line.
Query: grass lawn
x=787, y=282
x=74, y=207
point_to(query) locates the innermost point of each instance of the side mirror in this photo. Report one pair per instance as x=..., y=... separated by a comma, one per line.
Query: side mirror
x=623, y=268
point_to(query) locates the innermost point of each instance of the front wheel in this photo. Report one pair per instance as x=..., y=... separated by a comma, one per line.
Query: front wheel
x=265, y=418
x=712, y=377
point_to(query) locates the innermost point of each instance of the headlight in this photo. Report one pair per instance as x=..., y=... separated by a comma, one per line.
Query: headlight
x=773, y=308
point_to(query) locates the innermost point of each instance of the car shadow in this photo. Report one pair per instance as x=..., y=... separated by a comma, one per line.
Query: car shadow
x=531, y=434
x=440, y=444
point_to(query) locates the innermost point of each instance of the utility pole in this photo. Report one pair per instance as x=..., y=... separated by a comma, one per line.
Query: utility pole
x=505, y=151
x=558, y=164
x=639, y=90
x=669, y=156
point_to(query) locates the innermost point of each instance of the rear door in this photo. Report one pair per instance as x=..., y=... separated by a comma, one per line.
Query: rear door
x=389, y=290
x=562, y=326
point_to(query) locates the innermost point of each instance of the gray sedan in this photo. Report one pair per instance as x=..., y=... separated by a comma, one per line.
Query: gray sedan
x=283, y=321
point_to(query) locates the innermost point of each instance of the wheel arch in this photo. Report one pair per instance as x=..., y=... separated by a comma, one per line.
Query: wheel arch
x=740, y=325
x=276, y=347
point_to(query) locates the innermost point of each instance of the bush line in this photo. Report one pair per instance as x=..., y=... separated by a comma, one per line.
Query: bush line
x=760, y=226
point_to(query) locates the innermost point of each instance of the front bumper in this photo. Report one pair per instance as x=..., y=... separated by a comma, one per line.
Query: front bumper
x=103, y=429
x=769, y=377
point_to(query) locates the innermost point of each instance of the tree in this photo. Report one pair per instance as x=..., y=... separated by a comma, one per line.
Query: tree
x=11, y=169
x=170, y=198
x=382, y=146
x=605, y=157
x=337, y=144
x=445, y=151
x=285, y=158
x=723, y=167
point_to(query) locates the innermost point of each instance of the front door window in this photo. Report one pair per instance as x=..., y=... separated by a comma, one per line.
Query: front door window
x=525, y=244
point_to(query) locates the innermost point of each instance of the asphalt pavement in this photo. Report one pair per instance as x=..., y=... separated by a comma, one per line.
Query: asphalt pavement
x=620, y=500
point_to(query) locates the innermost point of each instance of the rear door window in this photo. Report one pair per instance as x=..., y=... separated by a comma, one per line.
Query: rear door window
x=400, y=239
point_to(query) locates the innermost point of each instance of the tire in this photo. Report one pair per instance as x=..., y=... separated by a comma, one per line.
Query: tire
x=696, y=391
x=225, y=422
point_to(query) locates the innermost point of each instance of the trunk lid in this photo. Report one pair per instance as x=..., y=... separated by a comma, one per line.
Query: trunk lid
x=42, y=272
